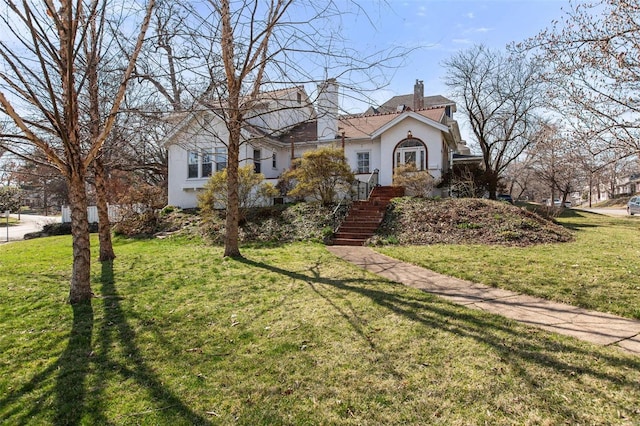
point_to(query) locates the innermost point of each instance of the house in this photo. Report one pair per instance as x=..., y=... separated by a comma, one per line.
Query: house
x=283, y=124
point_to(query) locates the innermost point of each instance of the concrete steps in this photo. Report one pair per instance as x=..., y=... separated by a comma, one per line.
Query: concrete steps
x=365, y=217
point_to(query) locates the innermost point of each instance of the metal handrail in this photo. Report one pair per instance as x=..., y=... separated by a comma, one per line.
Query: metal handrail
x=372, y=182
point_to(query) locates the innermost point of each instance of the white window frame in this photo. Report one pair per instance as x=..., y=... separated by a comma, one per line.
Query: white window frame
x=212, y=157
x=257, y=160
x=220, y=157
x=368, y=158
x=193, y=155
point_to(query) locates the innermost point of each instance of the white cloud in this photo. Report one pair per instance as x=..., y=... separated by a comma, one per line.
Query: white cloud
x=474, y=30
x=461, y=41
x=470, y=15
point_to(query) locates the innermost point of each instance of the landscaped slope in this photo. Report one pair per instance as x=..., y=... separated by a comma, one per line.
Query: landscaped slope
x=415, y=221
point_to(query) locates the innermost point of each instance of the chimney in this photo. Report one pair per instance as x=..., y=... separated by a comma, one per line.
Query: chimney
x=327, y=108
x=418, y=95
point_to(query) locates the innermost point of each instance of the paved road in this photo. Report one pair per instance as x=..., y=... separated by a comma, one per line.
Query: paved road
x=28, y=223
x=606, y=211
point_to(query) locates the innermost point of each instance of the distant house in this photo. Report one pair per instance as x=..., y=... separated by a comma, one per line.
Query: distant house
x=627, y=185
x=283, y=124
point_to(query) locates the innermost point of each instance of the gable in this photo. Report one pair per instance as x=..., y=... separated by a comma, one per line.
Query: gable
x=273, y=112
x=371, y=126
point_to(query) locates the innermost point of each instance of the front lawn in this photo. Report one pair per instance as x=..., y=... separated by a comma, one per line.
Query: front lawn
x=288, y=335
x=600, y=270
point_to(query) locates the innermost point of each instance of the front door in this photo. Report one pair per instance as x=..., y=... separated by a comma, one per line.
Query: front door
x=411, y=155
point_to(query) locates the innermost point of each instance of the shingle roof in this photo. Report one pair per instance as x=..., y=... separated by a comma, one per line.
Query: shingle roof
x=364, y=126
x=429, y=102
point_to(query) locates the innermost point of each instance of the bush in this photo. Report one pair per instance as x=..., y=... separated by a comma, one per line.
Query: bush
x=279, y=224
x=252, y=192
x=140, y=225
x=321, y=175
x=416, y=183
x=10, y=198
x=52, y=229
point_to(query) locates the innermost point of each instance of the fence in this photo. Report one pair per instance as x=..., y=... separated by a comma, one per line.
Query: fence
x=115, y=214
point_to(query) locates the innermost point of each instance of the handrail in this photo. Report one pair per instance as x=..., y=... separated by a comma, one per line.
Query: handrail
x=372, y=182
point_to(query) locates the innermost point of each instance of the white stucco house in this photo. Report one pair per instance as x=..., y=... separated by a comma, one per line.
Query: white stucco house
x=283, y=124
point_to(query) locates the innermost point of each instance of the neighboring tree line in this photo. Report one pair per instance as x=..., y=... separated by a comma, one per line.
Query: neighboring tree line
x=558, y=110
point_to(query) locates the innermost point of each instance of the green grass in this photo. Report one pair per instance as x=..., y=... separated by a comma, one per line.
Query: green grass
x=599, y=270
x=289, y=335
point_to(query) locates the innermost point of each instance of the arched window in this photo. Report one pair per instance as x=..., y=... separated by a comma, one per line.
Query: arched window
x=411, y=150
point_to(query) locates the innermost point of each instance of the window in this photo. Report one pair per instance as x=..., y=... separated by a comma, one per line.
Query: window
x=207, y=160
x=256, y=160
x=200, y=163
x=411, y=151
x=193, y=165
x=274, y=163
x=363, y=162
x=220, y=156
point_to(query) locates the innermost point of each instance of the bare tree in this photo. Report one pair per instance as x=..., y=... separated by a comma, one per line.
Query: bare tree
x=592, y=61
x=249, y=47
x=42, y=84
x=554, y=161
x=500, y=96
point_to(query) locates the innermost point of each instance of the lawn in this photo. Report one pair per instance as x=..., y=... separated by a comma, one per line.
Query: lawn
x=600, y=270
x=288, y=335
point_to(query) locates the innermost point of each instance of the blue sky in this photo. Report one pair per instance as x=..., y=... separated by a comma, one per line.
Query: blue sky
x=439, y=28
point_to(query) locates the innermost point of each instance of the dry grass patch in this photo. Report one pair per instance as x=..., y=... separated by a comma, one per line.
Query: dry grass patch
x=415, y=221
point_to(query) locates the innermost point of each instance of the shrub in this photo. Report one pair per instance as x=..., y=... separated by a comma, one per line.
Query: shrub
x=252, y=191
x=10, y=198
x=416, y=183
x=321, y=175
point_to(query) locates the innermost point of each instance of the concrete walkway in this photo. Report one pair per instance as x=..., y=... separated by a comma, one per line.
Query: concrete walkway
x=594, y=327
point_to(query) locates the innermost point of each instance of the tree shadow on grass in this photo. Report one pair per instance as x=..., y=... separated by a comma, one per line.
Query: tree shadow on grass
x=132, y=367
x=70, y=371
x=514, y=346
x=73, y=367
x=84, y=362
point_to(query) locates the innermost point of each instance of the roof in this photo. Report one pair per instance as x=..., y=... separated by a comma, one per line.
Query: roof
x=307, y=131
x=182, y=120
x=429, y=102
x=357, y=127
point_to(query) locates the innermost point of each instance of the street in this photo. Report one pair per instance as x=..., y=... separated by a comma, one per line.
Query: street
x=606, y=211
x=28, y=223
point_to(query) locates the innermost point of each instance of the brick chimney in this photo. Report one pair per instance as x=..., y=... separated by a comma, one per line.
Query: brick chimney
x=418, y=95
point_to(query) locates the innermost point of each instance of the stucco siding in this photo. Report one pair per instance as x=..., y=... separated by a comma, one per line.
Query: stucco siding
x=430, y=136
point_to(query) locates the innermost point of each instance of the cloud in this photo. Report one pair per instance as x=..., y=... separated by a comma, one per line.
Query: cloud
x=461, y=41
x=470, y=15
x=422, y=11
x=474, y=30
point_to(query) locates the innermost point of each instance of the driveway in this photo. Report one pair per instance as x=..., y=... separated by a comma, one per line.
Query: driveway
x=28, y=223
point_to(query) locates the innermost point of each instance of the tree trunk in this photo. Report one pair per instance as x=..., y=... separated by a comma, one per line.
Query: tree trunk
x=104, y=226
x=80, y=277
x=231, y=246
x=492, y=184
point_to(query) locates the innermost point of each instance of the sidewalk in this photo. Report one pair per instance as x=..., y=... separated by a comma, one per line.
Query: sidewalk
x=594, y=327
